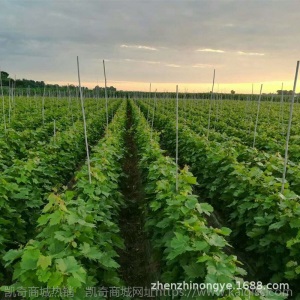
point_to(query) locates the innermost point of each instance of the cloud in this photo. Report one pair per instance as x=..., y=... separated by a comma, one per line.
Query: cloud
x=139, y=47
x=172, y=65
x=250, y=53
x=211, y=50
x=143, y=46
x=142, y=61
x=202, y=66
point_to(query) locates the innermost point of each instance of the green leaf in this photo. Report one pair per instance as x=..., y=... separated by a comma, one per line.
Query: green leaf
x=191, y=179
x=80, y=275
x=203, y=258
x=55, y=280
x=43, y=275
x=178, y=245
x=30, y=259
x=11, y=255
x=204, y=208
x=224, y=231
x=44, y=261
x=277, y=225
x=67, y=265
x=64, y=236
x=56, y=217
x=216, y=240
x=191, y=203
x=90, y=252
x=73, y=283
x=194, y=271
x=295, y=223
x=43, y=219
x=200, y=245
x=107, y=261
x=85, y=248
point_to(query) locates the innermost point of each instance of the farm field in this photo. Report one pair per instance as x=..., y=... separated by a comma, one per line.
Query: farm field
x=218, y=217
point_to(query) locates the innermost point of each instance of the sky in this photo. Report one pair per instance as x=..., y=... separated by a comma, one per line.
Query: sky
x=162, y=42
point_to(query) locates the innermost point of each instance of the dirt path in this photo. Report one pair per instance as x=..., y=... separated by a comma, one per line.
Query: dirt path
x=135, y=258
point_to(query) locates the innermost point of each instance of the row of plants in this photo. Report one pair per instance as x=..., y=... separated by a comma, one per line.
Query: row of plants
x=16, y=144
x=26, y=184
x=77, y=235
x=265, y=223
x=229, y=120
x=253, y=157
x=188, y=248
x=23, y=116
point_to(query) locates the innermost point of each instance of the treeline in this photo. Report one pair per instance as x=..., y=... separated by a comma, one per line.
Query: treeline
x=32, y=87
x=26, y=87
x=285, y=92
x=219, y=96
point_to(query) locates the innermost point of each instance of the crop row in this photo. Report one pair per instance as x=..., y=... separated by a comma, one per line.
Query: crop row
x=229, y=120
x=25, y=184
x=265, y=223
x=77, y=233
x=188, y=248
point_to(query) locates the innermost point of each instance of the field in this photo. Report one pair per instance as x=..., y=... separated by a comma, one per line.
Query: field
x=222, y=215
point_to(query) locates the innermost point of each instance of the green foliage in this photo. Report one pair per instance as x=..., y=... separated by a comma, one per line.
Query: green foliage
x=246, y=194
x=189, y=249
x=78, y=230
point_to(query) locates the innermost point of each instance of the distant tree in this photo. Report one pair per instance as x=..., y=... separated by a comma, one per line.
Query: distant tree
x=4, y=78
x=4, y=75
x=232, y=92
x=285, y=92
x=38, y=86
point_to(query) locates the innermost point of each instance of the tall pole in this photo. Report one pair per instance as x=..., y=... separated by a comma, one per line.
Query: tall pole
x=84, y=124
x=257, y=114
x=43, y=104
x=210, y=104
x=289, y=129
x=3, y=103
x=106, y=106
x=177, y=138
